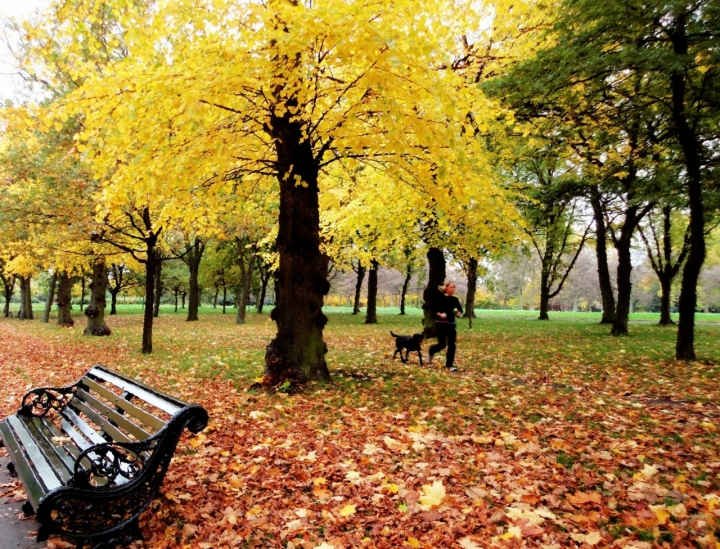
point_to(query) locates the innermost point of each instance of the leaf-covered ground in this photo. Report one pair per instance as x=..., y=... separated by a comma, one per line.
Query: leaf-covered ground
x=553, y=435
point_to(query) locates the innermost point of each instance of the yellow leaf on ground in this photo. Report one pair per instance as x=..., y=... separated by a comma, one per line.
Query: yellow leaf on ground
x=433, y=495
x=347, y=511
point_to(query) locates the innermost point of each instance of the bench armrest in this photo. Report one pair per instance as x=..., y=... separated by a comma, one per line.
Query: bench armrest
x=111, y=460
x=38, y=402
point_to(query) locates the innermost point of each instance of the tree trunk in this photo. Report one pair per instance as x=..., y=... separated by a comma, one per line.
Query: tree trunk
x=263, y=292
x=224, y=296
x=157, y=290
x=26, y=312
x=183, y=295
x=192, y=259
x=358, y=288
x=687, y=138
x=544, y=297
x=436, y=277
x=624, y=270
x=298, y=350
x=406, y=285
x=50, y=298
x=8, y=288
x=217, y=293
x=177, y=292
x=472, y=266
x=96, y=308
x=113, y=301
x=665, y=291
x=82, y=293
x=64, y=300
x=242, y=307
x=151, y=269
x=606, y=291
x=371, y=311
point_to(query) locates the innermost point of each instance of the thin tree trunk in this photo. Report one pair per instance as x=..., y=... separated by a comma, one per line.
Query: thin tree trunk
x=406, y=285
x=298, y=350
x=217, y=293
x=606, y=291
x=358, y=288
x=95, y=311
x=157, y=290
x=82, y=293
x=472, y=266
x=224, y=295
x=151, y=268
x=26, y=312
x=64, y=300
x=113, y=301
x=371, y=311
x=8, y=289
x=192, y=259
x=687, y=138
x=50, y=298
x=183, y=296
x=436, y=277
x=177, y=292
x=263, y=292
x=242, y=307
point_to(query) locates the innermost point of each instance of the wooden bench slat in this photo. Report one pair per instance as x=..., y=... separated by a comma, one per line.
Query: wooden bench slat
x=71, y=447
x=150, y=397
x=132, y=428
x=57, y=456
x=41, y=464
x=91, y=434
x=75, y=435
x=114, y=433
x=146, y=417
x=33, y=487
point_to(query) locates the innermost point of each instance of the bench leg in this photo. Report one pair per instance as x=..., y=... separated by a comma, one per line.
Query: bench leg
x=11, y=469
x=27, y=509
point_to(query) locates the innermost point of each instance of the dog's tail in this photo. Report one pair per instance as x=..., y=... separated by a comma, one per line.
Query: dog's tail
x=393, y=334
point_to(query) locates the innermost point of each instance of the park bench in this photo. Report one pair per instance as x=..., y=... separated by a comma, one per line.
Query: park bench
x=92, y=456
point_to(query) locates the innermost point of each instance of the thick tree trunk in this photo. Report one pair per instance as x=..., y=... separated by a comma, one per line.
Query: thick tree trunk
x=687, y=138
x=371, y=311
x=242, y=307
x=472, y=266
x=95, y=311
x=298, y=350
x=50, y=298
x=436, y=277
x=9, y=286
x=358, y=288
x=113, y=301
x=157, y=292
x=26, y=312
x=624, y=270
x=665, y=291
x=406, y=285
x=606, y=291
x=64, y=300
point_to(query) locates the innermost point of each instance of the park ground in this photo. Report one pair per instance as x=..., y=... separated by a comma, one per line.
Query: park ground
x=554, y=434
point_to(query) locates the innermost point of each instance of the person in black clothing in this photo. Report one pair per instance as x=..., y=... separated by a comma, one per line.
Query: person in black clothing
x=446, y=308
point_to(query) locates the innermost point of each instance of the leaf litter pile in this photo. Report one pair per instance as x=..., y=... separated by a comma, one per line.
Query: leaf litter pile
x=553, y=435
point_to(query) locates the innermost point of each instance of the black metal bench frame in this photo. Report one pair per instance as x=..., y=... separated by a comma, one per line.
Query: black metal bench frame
x=90, y=488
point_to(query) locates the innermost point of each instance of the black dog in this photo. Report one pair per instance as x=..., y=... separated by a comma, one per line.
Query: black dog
x=409, y=343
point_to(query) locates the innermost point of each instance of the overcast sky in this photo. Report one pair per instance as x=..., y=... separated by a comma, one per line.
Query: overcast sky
x=19, y=9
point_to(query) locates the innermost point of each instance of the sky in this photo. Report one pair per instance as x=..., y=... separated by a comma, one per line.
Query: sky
x=19, y=9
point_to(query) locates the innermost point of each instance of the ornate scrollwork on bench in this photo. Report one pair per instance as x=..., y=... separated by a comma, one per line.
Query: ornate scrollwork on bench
x=111, y=460
x=39, y=402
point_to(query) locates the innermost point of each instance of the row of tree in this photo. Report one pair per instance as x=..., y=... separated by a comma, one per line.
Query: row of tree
x=311, y=136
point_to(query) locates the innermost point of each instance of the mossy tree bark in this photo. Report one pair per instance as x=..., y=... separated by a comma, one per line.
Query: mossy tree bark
x=95, y=310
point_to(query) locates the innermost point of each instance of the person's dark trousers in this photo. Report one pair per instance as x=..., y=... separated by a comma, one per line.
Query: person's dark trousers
x=446, y=335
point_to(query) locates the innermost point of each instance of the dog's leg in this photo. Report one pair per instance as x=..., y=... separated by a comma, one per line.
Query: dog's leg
x=396, y=352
